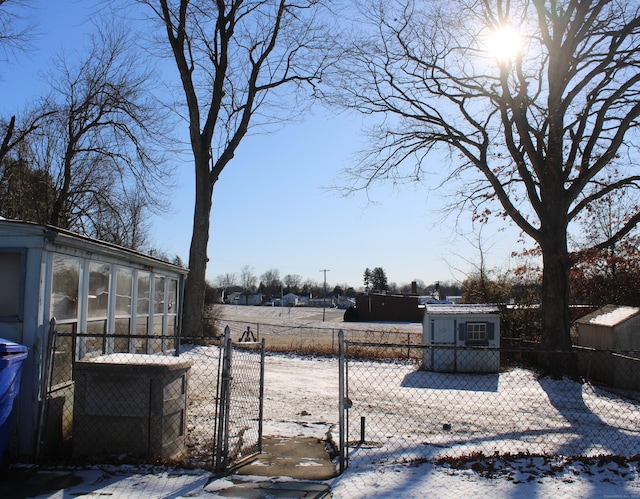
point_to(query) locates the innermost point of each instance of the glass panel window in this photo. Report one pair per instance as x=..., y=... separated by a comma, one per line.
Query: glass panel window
x=142, y=302
x=65, y=285
x=476, y=332
x=10, y=277
x=158, y=305
x=159, y=298
x=158, y=295
x=124, y=287
x=94, y=343
x=98, y=303
x=62, y=369
x=142, y=311
x=172, y=306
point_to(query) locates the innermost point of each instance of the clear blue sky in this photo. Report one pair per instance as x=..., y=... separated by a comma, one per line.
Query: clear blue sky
x=270, y=209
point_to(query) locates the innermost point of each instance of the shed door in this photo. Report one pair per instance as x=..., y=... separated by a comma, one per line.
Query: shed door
x=443, y=331
x=443, y=359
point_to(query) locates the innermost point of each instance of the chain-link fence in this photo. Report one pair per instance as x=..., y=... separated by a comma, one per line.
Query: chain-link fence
x=321, y=338
x=396, y=412
x=393, y=410
x=195, y=403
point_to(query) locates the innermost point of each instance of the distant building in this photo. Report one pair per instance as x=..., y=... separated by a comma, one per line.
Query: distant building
x=290, y=300
x=373, y=307
x=465, y=338
x=238, y=298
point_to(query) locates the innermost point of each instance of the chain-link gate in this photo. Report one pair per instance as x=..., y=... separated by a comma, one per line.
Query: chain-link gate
x=240, y=401
x=198, y=403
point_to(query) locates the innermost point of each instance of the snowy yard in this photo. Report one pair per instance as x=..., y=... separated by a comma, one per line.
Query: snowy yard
x=431, y=433
x=301, y=399
x=412, y=414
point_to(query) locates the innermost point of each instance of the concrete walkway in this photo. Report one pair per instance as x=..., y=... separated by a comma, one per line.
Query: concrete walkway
x=302, y=458
x=297, y=467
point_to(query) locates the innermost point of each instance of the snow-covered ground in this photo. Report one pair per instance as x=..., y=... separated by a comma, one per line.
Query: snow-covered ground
x=301, y=400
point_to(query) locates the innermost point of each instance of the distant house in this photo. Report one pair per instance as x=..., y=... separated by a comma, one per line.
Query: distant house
x=290, y=300
x=238, y=298
x=319, y=302
x=344, y=302
x=464, y=338
x=610, y=342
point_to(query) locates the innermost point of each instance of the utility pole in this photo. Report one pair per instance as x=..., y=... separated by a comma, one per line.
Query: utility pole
x=324, y=299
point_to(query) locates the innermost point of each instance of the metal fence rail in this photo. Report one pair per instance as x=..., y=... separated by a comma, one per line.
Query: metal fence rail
x=395, y=412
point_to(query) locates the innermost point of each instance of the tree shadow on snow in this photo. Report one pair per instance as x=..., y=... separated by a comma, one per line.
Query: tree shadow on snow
x=602, y=423
x=452, y=381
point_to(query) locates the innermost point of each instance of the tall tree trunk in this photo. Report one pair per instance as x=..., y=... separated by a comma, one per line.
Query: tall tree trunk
x=193, y=311
x=556, y=358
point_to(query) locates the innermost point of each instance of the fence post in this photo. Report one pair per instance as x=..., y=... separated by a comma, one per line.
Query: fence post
x=261, y=411
x=222, y=443
x=333, y=336
x=341, y=402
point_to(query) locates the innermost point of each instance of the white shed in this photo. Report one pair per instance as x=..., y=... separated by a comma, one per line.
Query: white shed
x=104, y=298
x=611, y=340
x=612, y=327
x=463, y=338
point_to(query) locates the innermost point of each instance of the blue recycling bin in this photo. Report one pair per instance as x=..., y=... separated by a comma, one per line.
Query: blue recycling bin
x=11, y=357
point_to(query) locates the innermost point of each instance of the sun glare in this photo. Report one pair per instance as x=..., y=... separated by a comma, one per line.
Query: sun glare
x=504, y=43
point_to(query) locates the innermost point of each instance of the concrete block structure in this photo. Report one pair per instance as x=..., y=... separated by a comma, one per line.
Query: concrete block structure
x=132, y=404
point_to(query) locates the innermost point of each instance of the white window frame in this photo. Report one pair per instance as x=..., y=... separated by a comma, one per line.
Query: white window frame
x=477, y=332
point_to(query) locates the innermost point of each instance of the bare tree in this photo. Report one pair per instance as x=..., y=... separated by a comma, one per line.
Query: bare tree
x=228, y=280
x=248, y=279
x=96, y=140
x=15, y=37
x=536, y=135
x=270, y=283
x=15, y=34
x=124, y=221
x=241, y=63
x=25, y=193
x=292, y=282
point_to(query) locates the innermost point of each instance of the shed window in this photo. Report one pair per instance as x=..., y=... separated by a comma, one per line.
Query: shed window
x=97, y=308
x=159, y=302
x=172, y=306
x=65, y=286
x=12, y=285
x=476, y=332
x=142, y=310
x=124, y=301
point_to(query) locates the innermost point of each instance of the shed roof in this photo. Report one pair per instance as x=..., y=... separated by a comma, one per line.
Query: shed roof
x=451, y=309
x=54, y=234
x=609, y=315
